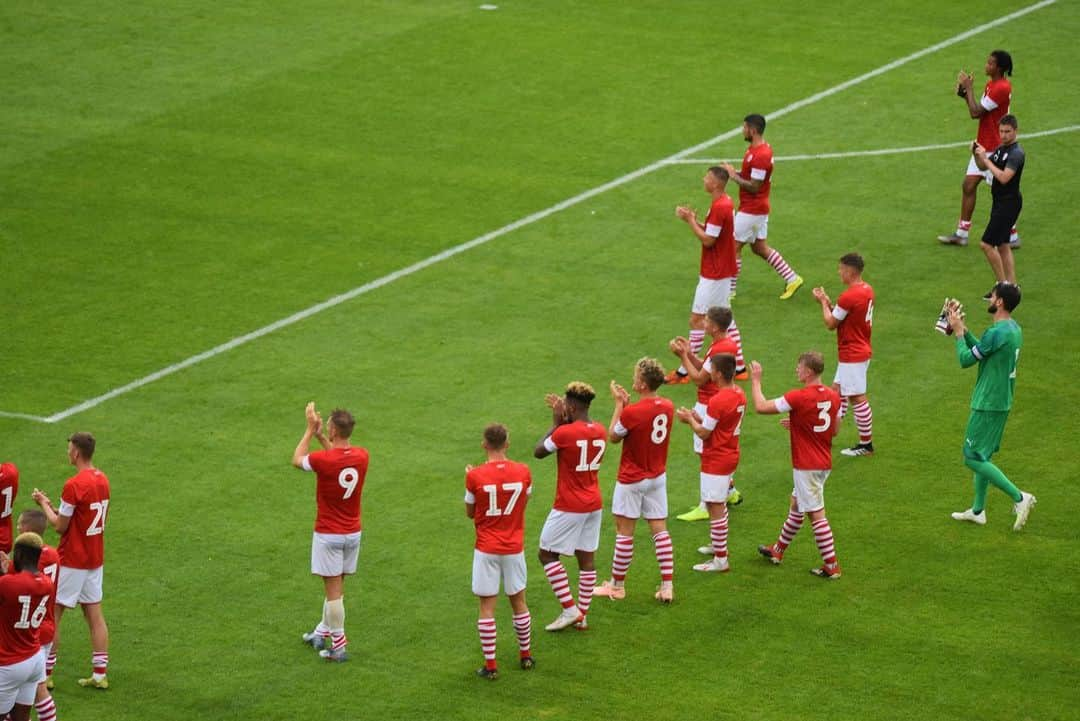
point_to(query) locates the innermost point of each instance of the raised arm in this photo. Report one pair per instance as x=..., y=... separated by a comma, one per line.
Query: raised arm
x=761, y=404
x=314, y=428
x=688, y=216
x=831, y=321
x=56, y=520
x=621, y=397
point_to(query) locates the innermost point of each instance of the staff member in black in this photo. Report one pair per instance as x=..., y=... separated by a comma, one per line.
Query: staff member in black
x=1006, y=164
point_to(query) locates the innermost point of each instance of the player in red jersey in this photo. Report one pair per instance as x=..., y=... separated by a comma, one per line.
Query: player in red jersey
x=26, y=595
x=9, y=488
x=717, y=269
x=49, y=564
x=644, y=429
x=852, y=318
x=573, y=526
x=718, y=427
x=812, y=418
x=340, y=469
x=752, y=221
x=80, y=521
x=495, y=496
x=988, y=110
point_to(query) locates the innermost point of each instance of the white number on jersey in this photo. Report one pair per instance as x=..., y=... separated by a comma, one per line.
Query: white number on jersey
x=5, y=507
x=742, y=414
x=50, y=571
x=584, y=464
x=870, y=313
x=659, y=429
x=1016, y=362
x=97, y=526
x=493, y=498
x=26, y=620
x=823, y=413
x=347, y=479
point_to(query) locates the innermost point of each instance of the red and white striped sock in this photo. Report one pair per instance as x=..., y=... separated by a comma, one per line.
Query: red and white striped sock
x=523, y=627
x=624, y=553
x=697, y=341
x=864, y=421
x=560, y=583
x=665, y=555
x=50, y=663
x=738, y=269
x=338, y=640
x=791, y=526
x=782, y=269
x=823, y=536
x=843, y=409
x=100, y=663
x=718, y=529
x=586, y=582
x=46, y=709
x=962, y=228
x=1014, y=235
x=733, y=334
x=486, y=628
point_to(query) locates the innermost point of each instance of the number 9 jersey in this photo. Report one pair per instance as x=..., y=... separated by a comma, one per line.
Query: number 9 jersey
x=340, y=473
x=499, y=490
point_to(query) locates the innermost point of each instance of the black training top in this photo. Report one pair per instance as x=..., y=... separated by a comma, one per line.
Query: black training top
x=1008, y=156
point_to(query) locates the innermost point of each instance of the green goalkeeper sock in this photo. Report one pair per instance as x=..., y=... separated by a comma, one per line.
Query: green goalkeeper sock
x=986, y=471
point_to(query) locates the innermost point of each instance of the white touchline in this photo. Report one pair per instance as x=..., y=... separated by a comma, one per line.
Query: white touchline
x=527, y=220
x=880, y=151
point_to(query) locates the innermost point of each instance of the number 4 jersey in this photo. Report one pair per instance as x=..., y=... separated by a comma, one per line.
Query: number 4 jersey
x=340, y=474
x=580, y=446
x=85, y=499
x=500, y=490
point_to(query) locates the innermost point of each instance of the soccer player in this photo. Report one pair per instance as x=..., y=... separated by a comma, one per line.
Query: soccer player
x=718, y=428
x=997, y=354
x=573, y=526
x=812, y=418
x=752, y=221
x=34, y=521
x=340, y=469
x=717, y=268
x=852, y=318
x=644, y=429
x=1006, y=165
x=9, y=488
x=988, y=110
x=495, y=496
x=26, y=595
x=80, y=521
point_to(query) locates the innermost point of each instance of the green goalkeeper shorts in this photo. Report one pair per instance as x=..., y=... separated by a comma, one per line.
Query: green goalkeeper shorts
x=982, y=438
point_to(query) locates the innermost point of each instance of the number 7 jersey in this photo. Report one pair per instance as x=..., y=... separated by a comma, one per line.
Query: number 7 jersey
x=499, y=490
x=340, y=473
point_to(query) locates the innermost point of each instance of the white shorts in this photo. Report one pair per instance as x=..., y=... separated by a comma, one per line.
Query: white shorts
x=645, y=499
x=809, y=490
x=973, y=169
x=334, y=554
x=711, y=292
x=749, y=228
x=488, y=569
x=564, y=532
x=19, y=681
x=851, y=378
x=714, y=488
x=699, y=444
x=79, y=585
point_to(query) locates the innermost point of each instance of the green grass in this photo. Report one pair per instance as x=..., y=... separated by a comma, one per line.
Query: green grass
x=173, y=176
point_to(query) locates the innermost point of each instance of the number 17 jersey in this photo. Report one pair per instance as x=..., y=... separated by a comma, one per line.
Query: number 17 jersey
x=340, y=473
x=499, y=490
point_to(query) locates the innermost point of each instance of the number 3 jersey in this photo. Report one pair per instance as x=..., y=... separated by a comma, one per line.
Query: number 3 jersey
x=340, y=474
x=646, y=426
x=500, y=490
x=25, y=600
x=580, y=446
x=812, y=411
x=85, y=499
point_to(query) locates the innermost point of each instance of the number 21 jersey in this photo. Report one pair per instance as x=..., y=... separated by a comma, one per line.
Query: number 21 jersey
x=85, y=499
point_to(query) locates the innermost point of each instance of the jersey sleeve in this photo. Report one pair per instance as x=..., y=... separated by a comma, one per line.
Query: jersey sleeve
x=844, y=304
x=312, y=461
x=988, y=103
x=708, y=422
x=1015, y=159
x=68, y=499
x=787, y=402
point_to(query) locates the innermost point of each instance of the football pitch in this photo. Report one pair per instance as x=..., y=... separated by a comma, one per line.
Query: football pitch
x=432, y=214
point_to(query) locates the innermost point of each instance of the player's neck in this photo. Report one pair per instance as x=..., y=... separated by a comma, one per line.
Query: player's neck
x=81, y=465
x=340, y=443
x=496, y=456
x=813, y=381
x=756, y=141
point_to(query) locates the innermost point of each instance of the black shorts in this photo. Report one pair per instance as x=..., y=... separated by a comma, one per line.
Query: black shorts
x=1002, y=219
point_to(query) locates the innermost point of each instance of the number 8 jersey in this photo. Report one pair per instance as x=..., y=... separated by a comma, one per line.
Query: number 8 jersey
x=340, y=474
x=85, y=500
x=500, y=490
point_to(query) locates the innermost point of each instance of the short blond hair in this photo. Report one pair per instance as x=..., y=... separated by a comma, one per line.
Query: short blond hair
x=581, y=392
x=652, y=373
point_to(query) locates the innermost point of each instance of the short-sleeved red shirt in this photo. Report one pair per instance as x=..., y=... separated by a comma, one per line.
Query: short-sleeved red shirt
x=853, y=333
x=340, y=474
x=757, y=164
x=720, y=345
x=48, y=564
x=85, y=499
x=580, y=446
x=9, y=488
x=718, y=260
x=25, y=599
x=724, y=416
x=646, y=428
x=500, y=490
x=999, y=93
x=813, y=414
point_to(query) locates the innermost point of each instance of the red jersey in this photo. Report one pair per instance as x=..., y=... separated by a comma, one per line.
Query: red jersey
x=500, y=490
x=580, y=446
x=812, y=411
x=25, y=600
x=722, y=345
x=9, y=488
x=646, y=428
x=718, y=260
x=340, y=474
x=724, y=416
x=85, y=499
x=995, y=101
x=855, y=311
x=49, y=565
x=757, y=164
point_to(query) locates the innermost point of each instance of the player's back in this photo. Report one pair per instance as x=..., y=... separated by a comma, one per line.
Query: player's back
x=719, y=259
x=720, y=451
x=645, y=447
x=500, y=491
x=340, y=474
x=25, y=599
x=854, y=332
x=49, y=565
x=9, y=489
x=581, y=446
x=757, y=165
x=86, y=496
x=813, y=417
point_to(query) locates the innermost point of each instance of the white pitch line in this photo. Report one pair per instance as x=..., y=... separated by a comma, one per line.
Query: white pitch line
x=24, y=416
x=527, y=220
x=880, y=151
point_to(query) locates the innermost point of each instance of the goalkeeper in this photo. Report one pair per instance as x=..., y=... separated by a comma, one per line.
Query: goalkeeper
x=997, y=353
